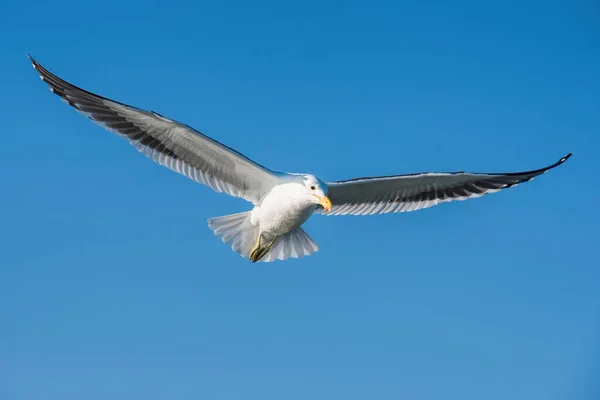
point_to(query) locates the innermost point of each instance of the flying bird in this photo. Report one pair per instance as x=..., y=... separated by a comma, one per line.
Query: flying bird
x=282, y=201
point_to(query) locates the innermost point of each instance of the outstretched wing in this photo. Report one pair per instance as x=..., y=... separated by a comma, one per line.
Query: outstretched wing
x=390, y=194
x=169, y=143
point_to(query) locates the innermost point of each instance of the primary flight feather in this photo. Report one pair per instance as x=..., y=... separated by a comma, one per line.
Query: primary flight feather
x=282, y=201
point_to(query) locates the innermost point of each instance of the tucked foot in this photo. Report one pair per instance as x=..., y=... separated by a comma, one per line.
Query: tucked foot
x=259, y=252
x=254, y=252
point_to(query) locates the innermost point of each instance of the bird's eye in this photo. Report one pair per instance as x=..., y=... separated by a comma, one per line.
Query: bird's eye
x=312, y=188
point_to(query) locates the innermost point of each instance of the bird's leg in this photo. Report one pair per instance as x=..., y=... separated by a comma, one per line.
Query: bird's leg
x=265, y=249
x=254, y=251
x=259, y=252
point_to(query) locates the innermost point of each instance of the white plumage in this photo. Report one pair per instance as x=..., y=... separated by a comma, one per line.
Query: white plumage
x=282, y=201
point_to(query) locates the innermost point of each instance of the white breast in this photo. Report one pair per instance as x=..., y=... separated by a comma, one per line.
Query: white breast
x=283, y=209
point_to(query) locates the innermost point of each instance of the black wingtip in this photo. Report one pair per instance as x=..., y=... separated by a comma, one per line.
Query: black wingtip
x=565, y=158
x=556, y=164
x=34, y=63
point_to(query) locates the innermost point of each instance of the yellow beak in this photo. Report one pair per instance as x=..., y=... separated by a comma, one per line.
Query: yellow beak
x=324, y=201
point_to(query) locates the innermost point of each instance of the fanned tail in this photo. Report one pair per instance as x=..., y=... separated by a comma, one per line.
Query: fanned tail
x=295, y=244
x=237, y=231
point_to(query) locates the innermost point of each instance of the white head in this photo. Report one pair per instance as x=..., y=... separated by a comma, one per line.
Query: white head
x=316, y=191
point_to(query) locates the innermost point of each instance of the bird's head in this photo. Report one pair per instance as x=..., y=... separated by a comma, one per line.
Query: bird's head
x=317, y=191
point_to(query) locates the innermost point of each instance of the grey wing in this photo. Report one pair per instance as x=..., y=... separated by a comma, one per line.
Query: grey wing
x=391, y=194
x=169, y=143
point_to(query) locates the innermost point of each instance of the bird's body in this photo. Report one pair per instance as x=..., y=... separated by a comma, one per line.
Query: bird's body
x=282, y=210
x=282, y=201
x=279, y=214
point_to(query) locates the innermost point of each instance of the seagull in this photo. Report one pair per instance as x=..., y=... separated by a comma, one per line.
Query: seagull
x=282, y=201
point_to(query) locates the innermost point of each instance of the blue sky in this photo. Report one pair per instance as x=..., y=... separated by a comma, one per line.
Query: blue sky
x=112, y=285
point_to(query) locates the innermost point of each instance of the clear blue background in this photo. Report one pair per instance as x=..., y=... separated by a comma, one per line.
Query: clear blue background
x=113, y=287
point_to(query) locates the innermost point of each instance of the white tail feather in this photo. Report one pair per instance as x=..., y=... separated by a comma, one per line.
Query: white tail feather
x=237, y=231
x=295, y=244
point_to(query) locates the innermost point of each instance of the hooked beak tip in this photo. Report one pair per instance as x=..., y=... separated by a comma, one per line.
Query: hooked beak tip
x=325, y=202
